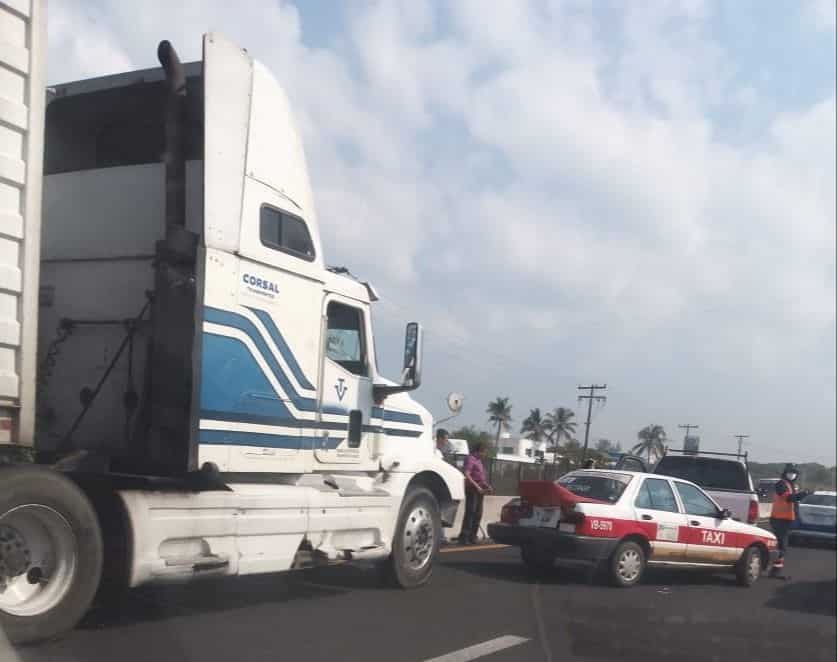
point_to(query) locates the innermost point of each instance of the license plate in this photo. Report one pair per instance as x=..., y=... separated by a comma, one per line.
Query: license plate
x=546, y=517
x=566, y=527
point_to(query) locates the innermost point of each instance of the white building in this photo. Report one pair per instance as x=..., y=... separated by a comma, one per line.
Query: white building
x=522, y=450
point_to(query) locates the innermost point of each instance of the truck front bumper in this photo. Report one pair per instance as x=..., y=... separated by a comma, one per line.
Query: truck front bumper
x=554, y=542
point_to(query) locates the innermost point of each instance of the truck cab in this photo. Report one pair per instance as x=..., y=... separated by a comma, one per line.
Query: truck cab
x=250, y=347
x=202, y=395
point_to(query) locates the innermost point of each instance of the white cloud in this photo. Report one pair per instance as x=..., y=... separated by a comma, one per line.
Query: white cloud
x=822, y=14
x=87, y=45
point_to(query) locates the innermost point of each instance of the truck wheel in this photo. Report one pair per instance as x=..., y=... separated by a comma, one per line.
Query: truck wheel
x=627, y=564
x=416, y=540
x=538, y=563
x=50, y=554
x=749, y=566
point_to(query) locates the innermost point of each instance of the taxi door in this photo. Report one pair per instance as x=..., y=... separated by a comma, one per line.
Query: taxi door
x=711, y=538
x=658, y=513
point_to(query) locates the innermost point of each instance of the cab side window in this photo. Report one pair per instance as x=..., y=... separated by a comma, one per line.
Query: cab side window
x=345, y=339
x=696, y=502
x=285, y=232
x=656, y=494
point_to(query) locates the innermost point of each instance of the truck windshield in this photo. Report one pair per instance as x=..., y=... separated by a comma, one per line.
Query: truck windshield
x=604, y=487
x=708, y=472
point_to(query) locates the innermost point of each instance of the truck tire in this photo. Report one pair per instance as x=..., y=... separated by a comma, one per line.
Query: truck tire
x=50, y=552
x=416, y=540
x=749, y=567
x=627, y=564
x=538, y=563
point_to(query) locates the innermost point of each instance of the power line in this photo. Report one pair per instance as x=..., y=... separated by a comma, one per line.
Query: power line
x=590, y=397
x=687, y=427
x=741, y=438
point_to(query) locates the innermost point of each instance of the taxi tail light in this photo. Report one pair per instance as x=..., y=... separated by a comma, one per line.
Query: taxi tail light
x=571, y=515
x=753, y=512
x=515, y=510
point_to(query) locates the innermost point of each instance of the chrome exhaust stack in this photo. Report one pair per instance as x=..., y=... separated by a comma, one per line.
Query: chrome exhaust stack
x=175, y=126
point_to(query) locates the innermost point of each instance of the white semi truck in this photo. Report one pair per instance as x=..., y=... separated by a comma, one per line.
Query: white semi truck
x=186, y=389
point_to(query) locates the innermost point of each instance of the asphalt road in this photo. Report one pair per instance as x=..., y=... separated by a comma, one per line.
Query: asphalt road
x=475, y=596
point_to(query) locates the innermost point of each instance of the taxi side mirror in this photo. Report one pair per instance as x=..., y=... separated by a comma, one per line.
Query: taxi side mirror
x=726, y=513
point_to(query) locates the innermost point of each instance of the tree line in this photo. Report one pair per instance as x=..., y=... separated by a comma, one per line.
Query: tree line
x=558, y=428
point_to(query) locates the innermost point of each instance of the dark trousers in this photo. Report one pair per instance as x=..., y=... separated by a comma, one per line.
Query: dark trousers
x=781, y=529
x=472, y=517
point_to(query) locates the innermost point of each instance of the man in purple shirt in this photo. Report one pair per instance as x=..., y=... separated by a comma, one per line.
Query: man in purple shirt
x=476, y=485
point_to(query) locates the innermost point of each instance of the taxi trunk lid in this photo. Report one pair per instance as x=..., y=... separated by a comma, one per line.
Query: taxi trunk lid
x=551, y=503
x=545, y=493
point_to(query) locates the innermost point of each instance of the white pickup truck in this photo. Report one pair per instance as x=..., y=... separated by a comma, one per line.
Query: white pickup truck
x=724, y=476
x=186, y=389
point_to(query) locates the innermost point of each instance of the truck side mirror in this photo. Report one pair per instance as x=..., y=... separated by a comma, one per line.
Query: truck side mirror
x=411, y=373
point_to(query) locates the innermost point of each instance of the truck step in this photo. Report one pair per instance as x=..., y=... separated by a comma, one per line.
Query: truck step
x=198, y=563
x=351, y=491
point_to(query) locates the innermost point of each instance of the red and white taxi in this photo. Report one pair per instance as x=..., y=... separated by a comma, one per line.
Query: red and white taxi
x=624, y=520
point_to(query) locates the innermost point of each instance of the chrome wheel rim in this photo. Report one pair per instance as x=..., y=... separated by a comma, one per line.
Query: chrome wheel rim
x=38, y=559
x=419, y=538
x=629, y=565
x=754, y=568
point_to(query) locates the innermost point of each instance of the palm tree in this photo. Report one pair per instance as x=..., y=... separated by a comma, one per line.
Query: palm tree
x=534, y=427
x=499, y=414
x=652, y=440
x=560, y=425
x=571, y=452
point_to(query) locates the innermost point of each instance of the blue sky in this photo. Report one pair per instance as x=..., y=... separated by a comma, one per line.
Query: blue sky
x=637, y=193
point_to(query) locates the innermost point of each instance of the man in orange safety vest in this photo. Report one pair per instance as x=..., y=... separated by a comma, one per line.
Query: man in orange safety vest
x=783, y=513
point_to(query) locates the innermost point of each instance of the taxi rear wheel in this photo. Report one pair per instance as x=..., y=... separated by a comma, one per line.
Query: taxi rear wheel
x=627, y=564
x=749, y=567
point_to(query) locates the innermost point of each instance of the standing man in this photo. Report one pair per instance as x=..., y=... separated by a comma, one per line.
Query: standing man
x=442, y=443
x=783, y=513
x=476, y=485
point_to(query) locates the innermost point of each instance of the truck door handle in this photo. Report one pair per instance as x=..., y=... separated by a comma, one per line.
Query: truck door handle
x=694, y=523
x=647, y=517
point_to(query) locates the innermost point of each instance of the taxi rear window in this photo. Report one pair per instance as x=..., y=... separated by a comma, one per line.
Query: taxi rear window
x=604, y=487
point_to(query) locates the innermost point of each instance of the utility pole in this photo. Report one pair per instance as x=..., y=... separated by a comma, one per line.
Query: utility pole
x=591, y=395
x=741, y=438
x=687, y=427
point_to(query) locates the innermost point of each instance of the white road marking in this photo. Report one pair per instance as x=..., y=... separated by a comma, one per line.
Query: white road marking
x=480, y=650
